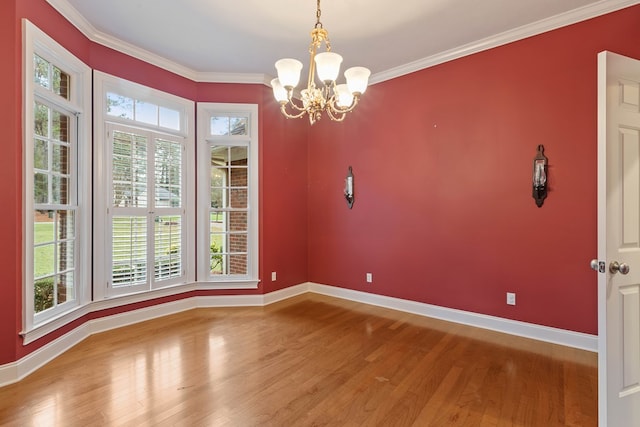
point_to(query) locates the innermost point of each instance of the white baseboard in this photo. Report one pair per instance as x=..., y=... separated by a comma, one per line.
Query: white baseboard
x=15, y=371
x=512, y=327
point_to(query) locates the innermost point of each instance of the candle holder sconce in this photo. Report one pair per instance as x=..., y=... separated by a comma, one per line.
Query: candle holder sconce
x=348, y=188
x=540, y=162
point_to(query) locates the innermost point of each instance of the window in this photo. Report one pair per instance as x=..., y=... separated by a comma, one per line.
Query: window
x=142, y=197
x=228, y=194
x=57, y=165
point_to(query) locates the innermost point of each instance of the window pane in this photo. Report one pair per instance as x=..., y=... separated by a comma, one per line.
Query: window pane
x=239, y=125
x=238, y=242
x=43, y=231
x=238, y=198
x=219, y=125
x=43, y=294
x=218, y=177
x=219, y=198
x=238, y=177
x=65, y=255
x=237, y=264
x=129, y=170
x=41, y=119
x=59, y=126
x=41, y=71
x=65, y=224
x=217, y=263
x=216, y=218
x=219, y=156
x=146, y=112
x=65, y=287
x=119, y=106
x=60, y=159
x=239, y=156
x=168, y=251
x=44, y=260
x=226, y=125
x=217, y=242
x=168, y=173
x=61, y=83
x=40, y=154
x=60, y=190
x=169, y=118
x=129, y=252
x=238, y=220
x=40, y=188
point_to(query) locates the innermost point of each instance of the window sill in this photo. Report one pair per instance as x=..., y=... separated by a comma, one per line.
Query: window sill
x=55, y=323
x=229, y=284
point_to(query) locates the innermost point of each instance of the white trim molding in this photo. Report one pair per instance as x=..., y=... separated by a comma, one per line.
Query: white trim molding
x=512, y=327
x=561, y=20
x=558, y=21
x=15, y=371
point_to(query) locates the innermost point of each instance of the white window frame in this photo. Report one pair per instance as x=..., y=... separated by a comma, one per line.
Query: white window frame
x=104, y=83
x=37, y=42
x=205, y=141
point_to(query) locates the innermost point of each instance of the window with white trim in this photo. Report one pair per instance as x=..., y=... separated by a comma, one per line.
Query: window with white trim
x=143, y=197
x=57, y=171
x=228, y=194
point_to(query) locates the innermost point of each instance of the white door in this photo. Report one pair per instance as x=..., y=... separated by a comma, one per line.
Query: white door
x=618, y=240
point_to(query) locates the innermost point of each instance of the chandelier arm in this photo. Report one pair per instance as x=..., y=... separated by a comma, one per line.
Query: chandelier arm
x=341, y=110
x=283, y=109
x=294, y=105
x=335, y=117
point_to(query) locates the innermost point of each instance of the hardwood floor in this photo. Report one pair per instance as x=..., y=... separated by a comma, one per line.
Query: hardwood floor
x=309, y=361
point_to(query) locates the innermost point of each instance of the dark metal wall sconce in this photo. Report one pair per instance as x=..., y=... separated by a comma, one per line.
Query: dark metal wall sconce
x=348, y=188
x=540, y=176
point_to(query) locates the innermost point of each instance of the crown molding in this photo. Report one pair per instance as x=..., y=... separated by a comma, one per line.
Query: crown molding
x=88, y=30
x=558, y=21
x=581, y=14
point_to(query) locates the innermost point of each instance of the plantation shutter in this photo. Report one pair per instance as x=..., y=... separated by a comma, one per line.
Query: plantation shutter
x=146, y=210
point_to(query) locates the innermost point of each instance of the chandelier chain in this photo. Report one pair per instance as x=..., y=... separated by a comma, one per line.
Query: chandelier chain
x=318, y=13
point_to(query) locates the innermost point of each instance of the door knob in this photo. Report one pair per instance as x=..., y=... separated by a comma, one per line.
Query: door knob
x=594, y=264
x=615, y=267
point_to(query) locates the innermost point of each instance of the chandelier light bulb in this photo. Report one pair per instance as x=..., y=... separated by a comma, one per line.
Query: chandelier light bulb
x=357, y=79
x=289, y=72
x=344, y=98
x=328, y=66
x=279, y=92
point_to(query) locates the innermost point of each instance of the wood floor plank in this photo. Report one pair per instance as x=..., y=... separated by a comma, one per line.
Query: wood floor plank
x=308, y=361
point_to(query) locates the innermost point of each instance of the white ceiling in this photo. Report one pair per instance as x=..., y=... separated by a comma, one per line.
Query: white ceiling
x=225, y=40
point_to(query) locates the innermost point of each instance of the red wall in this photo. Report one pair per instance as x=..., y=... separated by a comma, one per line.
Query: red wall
x=442, y=160
x=10, y=162
x=283, y=152
x=442, y=164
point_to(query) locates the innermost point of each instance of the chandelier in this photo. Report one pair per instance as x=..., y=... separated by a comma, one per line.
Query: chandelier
x=334, y=99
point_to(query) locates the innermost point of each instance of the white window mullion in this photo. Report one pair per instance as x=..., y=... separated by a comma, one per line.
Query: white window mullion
x=151, y=214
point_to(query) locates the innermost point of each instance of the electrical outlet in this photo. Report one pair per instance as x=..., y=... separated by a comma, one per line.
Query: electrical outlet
x=369, y=277
x=511, y=298
x=273, y=276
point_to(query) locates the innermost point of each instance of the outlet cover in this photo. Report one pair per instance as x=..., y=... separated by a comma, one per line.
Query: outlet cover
x=273, y=276
x=511, y=298
x=369, y=277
